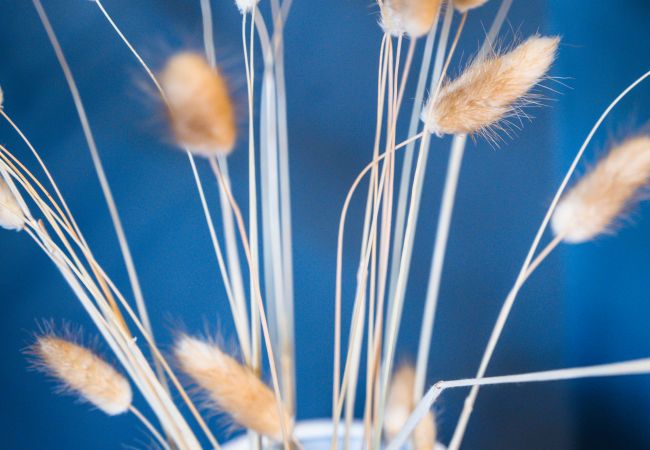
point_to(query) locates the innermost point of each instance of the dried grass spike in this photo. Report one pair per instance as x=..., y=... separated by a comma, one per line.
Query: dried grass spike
x=592, y=206
x=85, y=373
x=246, y=6
x=400, y=401
x=11, y=216
x=491, y=89
x=202, y=113
x=234, y=388
x=413, y=17
x=424, y=434
x=2, y=97
x=399, y=407
x=463, y=6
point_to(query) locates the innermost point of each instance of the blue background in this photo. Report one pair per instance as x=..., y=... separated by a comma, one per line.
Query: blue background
x=588, y=304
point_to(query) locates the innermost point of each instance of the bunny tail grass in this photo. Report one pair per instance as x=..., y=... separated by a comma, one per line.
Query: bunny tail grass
x=234, y=388
x=2, y=97
x=399, y=407
x=413, y=17
x=200, y=108
x=11, y=215
x=592, y=206
x=463, y=6
x=246, y=6
x=490, y=89
x=82, y=371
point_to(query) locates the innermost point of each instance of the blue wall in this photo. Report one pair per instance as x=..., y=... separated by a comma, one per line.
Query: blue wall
x=570, y=313
x=606, y=282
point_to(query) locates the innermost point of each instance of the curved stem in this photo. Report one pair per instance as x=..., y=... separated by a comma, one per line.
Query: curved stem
x=626, y=368
x=510, y=300
x=149, y=427
x=396, y=303
x=240, y=315
x=444, y=221
x=267, y=339
x=103, y=181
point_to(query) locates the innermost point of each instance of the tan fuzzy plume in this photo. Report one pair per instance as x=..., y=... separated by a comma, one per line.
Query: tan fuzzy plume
x=463, y=6
x=234, y=388
x=413, y=17
x=85, y=373
x=246, y=6
x=11, y=216
x=2, y=97
x=202, y=113
x=490, y=89
x=592, y=206
x=399, y=406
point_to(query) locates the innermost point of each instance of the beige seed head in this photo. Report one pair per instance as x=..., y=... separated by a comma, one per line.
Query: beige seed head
x=413, y=17
x=490, y=89
x=2, y=97
x=246, y=6
x=234, y=388
x=85, y=373
x=11, y=216
x=463, y=6
x=592, y=206
x=399, y=407
x=201, y=110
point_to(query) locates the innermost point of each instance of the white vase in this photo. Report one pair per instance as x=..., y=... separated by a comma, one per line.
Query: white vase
x=315, y=435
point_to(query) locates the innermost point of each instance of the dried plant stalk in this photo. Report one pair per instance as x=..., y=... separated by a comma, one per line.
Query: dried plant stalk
x=234, y=388
x=594, y=204
x=85, y=373
x=200, y=108
x=625, y=368
x=490, y=89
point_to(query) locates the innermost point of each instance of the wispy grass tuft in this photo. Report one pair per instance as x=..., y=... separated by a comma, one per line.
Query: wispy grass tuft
x=596, y=202
x=490, y=90
x=234, y=388
x=200, y=107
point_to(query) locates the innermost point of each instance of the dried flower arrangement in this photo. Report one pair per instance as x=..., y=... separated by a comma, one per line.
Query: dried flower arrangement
x=484, y=101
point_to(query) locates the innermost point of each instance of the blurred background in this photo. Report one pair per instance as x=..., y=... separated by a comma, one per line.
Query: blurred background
x=588, y=304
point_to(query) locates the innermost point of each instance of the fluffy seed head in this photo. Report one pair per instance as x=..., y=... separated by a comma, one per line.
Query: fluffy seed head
x=592, y=206
x=465, y=5
x=234, y=388
x=399, y=407
x=85, y=373
x=413, y=17
x=2, y=97
x=201, y=110
x=246, y=5
x=11, y=216
x=490, y=89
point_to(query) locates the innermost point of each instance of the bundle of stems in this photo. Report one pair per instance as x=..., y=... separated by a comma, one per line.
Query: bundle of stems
x=275, y=203
x=483, y=100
